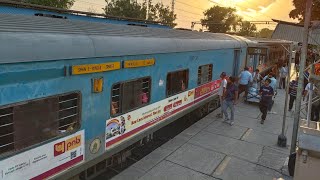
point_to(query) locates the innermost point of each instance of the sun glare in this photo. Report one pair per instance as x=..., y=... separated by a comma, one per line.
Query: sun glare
x=244, y=7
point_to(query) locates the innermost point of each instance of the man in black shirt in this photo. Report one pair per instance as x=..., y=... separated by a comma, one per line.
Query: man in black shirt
x=266, y=93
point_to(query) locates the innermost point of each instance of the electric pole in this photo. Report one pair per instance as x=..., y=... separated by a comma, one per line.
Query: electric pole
x=147, y=13
x=172, y=5
x=301, y=77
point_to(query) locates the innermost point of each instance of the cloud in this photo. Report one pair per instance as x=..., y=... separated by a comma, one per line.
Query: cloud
x=266, y=10
x=255, y=5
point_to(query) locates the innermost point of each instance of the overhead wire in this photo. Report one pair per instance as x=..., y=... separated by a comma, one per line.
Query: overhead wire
x=92, y=3
x=189, y=12
x=185, y=21
x=190, y=5
x=186, y=16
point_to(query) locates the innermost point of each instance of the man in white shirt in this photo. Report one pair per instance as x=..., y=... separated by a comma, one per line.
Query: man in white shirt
x=273, y=83
x=221, y=91
x=307, y=91
x=245, y=79
x=283, y=76
x=256, y=78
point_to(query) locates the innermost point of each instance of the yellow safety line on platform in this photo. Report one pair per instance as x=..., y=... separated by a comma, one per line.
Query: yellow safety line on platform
x=222, y=166
x=246, y=134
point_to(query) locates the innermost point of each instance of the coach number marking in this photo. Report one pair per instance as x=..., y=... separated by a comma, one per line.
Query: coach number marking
x=94, y=68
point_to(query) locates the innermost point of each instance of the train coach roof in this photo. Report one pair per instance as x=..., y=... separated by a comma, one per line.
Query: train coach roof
x=25, y=39
x=268, y=41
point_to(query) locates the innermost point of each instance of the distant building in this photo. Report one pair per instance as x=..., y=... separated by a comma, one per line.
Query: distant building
x=294, y=32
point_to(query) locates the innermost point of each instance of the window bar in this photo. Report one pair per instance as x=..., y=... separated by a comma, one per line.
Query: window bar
x=66, y=125
x=6, y=144
x=68, y=108
x=6, y=134
x=6, y=125
x=68, y=116
x=4, y=115
x=68, y=100
x=115, y=89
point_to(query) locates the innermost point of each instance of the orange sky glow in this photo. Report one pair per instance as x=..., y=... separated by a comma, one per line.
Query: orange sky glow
x=192, y=10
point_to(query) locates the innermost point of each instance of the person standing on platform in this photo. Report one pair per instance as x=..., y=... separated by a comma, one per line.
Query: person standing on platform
x=293, y=86
x=229, y=100
x=256, y=76
x=245, y=79
x=266, y=93
x=273, y=83
x=221, y=91
x=283, y=76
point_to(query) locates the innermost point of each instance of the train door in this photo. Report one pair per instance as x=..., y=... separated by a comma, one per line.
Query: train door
x=256, y=58
x=255, y=62
x=250, y=62
x=236, y=62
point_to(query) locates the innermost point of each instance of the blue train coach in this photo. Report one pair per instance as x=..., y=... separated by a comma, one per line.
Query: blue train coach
x=73, y=93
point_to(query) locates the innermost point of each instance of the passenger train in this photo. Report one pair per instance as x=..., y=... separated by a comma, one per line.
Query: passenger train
x=74, y=93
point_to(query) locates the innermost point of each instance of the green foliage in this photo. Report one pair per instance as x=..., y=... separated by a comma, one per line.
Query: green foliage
x=220, y=19
x=126, y=8
x=247, y=29
x=265, y=33
x=63, y=4
x=145, y=10
x=300, y=7
x=162, y=13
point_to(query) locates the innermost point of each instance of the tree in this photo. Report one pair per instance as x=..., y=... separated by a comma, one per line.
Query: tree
x=145, y=10
x=220, y=19
x=63, y=4
x=162, y=13
x=300, y=7
x=265, y=33
x=247, y=29
x=126, y=8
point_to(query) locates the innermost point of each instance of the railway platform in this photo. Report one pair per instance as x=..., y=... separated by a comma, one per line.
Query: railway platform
x=211, y=149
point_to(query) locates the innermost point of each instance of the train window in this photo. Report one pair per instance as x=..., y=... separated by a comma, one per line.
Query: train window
x=177, y=82
x=25, y=124
x=204, y=74
x=130, y=95
x=262, y=60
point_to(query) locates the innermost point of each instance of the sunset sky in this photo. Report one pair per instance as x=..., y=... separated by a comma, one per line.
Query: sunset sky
x=192, y=10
